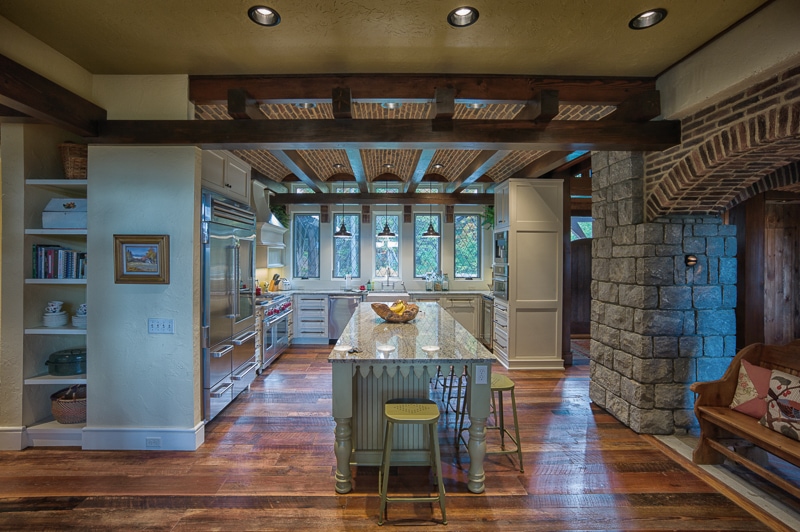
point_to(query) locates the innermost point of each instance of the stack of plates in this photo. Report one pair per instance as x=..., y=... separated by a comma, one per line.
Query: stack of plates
x=56, y=319
x=79, y=321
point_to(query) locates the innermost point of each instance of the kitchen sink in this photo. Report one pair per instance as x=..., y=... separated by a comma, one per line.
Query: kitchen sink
x=385, y=297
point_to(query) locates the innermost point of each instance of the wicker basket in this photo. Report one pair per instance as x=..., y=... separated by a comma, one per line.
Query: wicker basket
x=74, y=157
x=69, y=405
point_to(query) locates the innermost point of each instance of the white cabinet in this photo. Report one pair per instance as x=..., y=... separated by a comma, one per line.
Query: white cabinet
x=500, y=332
x=501, y=206
x=310, y=319
x=270, y=256
x=465, y=308
x=227, y=174
x=55, y=271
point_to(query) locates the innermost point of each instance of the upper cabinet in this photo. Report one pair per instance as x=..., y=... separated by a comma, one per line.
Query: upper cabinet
x=227, y=174
x=501, y=213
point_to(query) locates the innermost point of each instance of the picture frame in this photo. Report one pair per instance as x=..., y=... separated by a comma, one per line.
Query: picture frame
x=141, y=259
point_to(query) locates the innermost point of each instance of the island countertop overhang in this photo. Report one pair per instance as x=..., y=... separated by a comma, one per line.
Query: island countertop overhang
x=433, y=326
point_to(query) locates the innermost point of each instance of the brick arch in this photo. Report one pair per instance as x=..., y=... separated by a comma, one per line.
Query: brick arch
x=718, y=172
x=786, y=178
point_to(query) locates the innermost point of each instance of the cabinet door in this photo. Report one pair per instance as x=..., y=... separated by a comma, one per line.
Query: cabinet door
x=213, y=170
x=465, y=310
x=501, y=212
x=237, y=179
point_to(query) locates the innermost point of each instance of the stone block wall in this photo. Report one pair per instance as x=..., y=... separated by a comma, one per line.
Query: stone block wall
x=657, y=324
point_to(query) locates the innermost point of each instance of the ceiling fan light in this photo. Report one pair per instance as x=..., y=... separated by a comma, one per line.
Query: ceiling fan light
x=431, y=232
x=264, y=16
x=462, y=17
x=648, y=19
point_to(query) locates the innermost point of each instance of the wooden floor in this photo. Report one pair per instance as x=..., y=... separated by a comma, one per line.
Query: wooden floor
x=268, y=464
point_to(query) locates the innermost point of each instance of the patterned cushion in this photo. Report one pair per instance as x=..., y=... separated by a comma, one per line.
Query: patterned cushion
x=783, y=405
x=751, y=390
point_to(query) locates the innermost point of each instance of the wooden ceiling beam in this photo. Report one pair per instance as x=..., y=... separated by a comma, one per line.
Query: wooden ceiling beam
x=637, y=108
x=272, y=185
x=342, y=103
x=547, y=163
x=300, y=168
x=543, y=107
x=485, y=88
x=242, y=106
x=29, y=93
x=476, y=168
x=444, y=109
x=357, y=165
x=372, y=198
x=567, y=135
x=423, y=161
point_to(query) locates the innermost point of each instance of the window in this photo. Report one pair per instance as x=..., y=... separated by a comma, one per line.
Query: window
x=346, y=189
x=467, y=246
x=387, y=189
x=427, y=189
x=302, y=189
x=305, y=245
x=581, y=227
x=347, y=251
x=426, y=250
x=473, y=189
x=387, y=250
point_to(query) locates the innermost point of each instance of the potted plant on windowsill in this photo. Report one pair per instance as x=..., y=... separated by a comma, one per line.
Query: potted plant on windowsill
x=487, y=219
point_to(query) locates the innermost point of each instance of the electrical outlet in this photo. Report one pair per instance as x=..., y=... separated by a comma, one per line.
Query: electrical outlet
x=481, y=374
x=160, y=326
x=152, y=443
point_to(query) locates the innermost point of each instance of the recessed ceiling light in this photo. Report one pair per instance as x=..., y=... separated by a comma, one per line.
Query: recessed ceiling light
x=338, y=166
x=305, y=105
x=391, y=105
x=475, y=105
x=462, y=16
x=388, y=165
x=264, y=16
x=437, y=166
x=648, y=19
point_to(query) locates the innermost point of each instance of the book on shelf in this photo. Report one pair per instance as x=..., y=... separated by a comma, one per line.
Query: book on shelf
x=56, y=262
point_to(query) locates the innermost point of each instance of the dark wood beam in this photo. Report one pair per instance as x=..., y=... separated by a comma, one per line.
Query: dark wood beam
x=637, y=108
x=486, y=88
x=8, y=112
x=420, y=167
x=543, y=107
x=444, y=109
x=342, y=102
x=475, y=169
x=29, y=93
x=567, y=135
x=381, y=199
x=300, y=168
x=357, y=165
x=547, y=163
x=274, y=186
x=241, y=106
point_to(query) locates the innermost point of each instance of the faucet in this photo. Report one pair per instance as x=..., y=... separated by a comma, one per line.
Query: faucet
x=403, y=284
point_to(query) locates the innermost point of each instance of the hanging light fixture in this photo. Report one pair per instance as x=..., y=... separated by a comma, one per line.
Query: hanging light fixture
x=430, y=232
x=342, y=232
x=386, y=232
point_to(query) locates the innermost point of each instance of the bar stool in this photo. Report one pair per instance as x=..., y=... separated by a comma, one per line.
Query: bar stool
x=500, y=384
x=410, y=412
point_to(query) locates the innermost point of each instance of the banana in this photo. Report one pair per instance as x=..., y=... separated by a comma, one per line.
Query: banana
x=398, y=307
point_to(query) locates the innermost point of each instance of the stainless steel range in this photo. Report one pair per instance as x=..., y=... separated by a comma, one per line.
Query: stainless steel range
x=275, y=327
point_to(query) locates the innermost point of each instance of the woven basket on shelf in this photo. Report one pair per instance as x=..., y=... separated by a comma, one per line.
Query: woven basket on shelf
x=69, y=405
x=74, y=157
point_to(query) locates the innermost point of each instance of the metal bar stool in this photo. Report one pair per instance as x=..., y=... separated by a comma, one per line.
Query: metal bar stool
x=500, y=384
x=410, y=412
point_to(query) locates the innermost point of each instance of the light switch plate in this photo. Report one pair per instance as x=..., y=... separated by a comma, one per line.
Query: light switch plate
x=481, y=374
x=160, y=326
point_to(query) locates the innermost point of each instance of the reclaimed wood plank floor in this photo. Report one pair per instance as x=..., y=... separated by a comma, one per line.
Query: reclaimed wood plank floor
x=268, y=464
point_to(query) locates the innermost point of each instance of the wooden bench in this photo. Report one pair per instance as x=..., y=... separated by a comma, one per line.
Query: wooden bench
x=720, y=425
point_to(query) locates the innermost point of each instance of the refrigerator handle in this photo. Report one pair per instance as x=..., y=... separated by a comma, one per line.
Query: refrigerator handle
x=235, y=281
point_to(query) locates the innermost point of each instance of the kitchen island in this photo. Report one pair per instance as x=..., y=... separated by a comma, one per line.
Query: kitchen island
x=399, y=360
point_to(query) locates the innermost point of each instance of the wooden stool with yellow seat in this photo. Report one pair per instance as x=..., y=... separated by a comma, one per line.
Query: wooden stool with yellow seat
x=500, y=384
x=410, y=412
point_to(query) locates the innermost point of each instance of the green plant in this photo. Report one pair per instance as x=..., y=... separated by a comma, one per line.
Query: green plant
x=487, y=220
x=280, y=213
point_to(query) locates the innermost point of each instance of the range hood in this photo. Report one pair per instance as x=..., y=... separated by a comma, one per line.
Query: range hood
x=269, y=230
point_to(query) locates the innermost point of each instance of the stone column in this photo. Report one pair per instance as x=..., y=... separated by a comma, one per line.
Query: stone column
x=657, y=324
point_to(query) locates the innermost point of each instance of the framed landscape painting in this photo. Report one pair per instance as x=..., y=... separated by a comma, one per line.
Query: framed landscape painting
x=142, y=259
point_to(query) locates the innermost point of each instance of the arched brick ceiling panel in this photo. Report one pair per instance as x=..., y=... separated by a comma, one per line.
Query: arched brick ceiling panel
x=713, y=174
x=785, y=179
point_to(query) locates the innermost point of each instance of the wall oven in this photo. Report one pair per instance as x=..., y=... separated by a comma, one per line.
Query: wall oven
x=500, y=281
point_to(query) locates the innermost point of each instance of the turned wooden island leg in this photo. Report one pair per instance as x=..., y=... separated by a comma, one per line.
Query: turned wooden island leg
x=343, y=449
x=477, y=452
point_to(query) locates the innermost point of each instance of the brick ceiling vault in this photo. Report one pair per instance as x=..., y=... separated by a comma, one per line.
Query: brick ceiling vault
x=720, y=171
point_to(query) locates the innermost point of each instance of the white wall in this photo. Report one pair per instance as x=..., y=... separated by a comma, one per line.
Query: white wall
x=139, y=379
x=760, y=47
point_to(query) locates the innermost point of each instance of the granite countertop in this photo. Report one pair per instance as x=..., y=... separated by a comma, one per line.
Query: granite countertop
x=433, y=326
x=334, y=291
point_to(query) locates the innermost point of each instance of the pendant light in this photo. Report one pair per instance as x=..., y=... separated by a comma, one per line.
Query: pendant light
x=386, y=232
x=430, y=232
x=342, y=232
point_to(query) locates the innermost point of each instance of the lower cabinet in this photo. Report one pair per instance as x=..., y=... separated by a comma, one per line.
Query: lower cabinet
x=310, y=319
x=464, y=308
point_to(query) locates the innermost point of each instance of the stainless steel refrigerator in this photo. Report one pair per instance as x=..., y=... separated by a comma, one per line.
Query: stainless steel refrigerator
x=228, y=232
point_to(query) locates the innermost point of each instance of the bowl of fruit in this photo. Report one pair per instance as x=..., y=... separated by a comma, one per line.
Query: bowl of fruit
x=397, y=312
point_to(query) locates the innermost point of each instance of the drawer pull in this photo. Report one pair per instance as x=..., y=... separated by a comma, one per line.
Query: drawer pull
x=220, y=354
x=243, y=374
x=243, y=339
x=216, y=393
